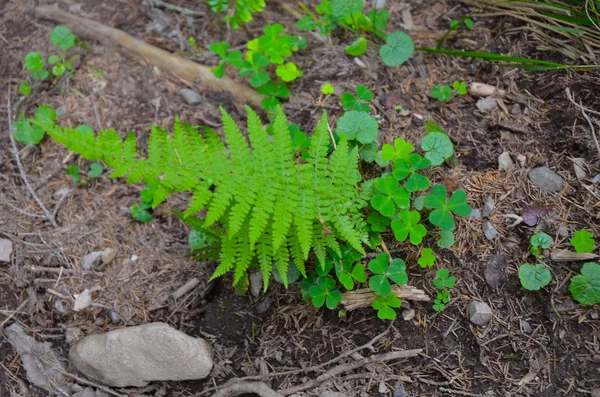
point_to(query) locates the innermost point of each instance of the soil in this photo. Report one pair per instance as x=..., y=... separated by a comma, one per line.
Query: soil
x=537, y=344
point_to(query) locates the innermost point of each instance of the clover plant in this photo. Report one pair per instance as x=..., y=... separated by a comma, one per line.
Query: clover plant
x=583, y=241
x=443, y=282
x=444, y=92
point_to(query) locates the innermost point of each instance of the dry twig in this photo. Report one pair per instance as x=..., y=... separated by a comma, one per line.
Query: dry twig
x=584, y=111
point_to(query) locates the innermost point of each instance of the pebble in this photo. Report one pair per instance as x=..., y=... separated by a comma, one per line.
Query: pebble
x=525, y=326
x=114, y=317
x=264, y=305
x=522, y=160
x=489, y=230
x=62, y=109
x=488, y=103
x=480, y=313
x=58, y=305
x=516, y=109
x=488, y=207
x=545, y=178
x=329, y=393
x=91, y=260
x=6, y=248
x=191, y=97
x=108, y=255
x=475, y=214
x=136, y=356
x=494, y=270
x=408, y=314
x=505, y=162
x=256, y=283
x=579, y=168
x=563, y=230
x=83, y=300
x=73, y=334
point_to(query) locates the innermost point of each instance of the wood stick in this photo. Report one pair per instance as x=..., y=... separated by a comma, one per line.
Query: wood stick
x=364, y=297
x=186, y=70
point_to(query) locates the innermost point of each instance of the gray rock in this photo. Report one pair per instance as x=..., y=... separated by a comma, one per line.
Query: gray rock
x=505, y=162
x=91, y=260
x=331, y=394
x=191, y=97
x=256, y=283
x=563, y=230
x=494, y=270
x=475, y=214
x=41, y=363
x=488, y=207
x=545, y=178
x=408, y=314
x=135, y=356
x=73, y=334
x=264, y=305
x=108, y=255
x=58, y=305
x=87, y=392
x=114, y=317
x=62, y=109
x=526, y=327
x=479, y=313
x=488, y=103
x=399, y=391
x=489, y=230
x=58, y=194
x=6, y=248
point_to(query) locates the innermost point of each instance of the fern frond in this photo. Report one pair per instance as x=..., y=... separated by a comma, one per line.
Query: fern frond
x=201, y=197
x=244, y=257
x=296, y=251
x=264, y=258
x=228, y=255
x=319, y=245
x=282, y=262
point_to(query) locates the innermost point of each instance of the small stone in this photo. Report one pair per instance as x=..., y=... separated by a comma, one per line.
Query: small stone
x=525, y=326
x=418, y=120
x=82, y=300
x=494, y=270
x=408, y=314
x=134, y=258
x=516, y=109
x=58, y=305
x=87, y=392
x=331, y=394
x=505, y=162
x=382, y=389
x=488, y=103
x=488, y=207
x=522, y=160
x=191, y=97
x=264, y=305
x=563, y=230
x=74, y=9
x=6, y=248
x=73, y=334
x=91, y=260
x=108, y=255
x=489, y=230
x=256, y=283
x=100, y=321
x=61, y=111
x=136, y=356
x=475, y=214
x=405, y=304
x=114, y=317
x=479, y=313
x=399, y=391
x=545, y=178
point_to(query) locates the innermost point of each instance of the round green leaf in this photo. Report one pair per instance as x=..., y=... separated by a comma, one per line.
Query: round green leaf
x=346, y=8
x=398, y=48
x=34, y=62
x=534, y=277
x=197, y=240
x=95, y=170
x=458, y=203
x=59, y=70
x=358, y=47
x=45, y=114
x=387, y=185
x=397, y=272
x=383, y=204
x=441, y=92
x=379, y=264
x=327, y=89
x=446, y=239
x=53, y=59
x=386, y=313
x=333, y=299
x=437, y=147
x=358, y=273
x=583, y=241
x=26, y=133
x=541, y=240
x=586, y=287
x=24, y=88
x=417, y=182
x=358, y=125
x=380, y=284
x=62, y=37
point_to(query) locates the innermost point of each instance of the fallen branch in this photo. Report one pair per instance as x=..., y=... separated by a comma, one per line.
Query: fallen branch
x=184, y=69
x=364, y=297
x=15, y=153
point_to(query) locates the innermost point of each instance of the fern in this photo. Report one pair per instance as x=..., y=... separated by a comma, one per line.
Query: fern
x=269, y=206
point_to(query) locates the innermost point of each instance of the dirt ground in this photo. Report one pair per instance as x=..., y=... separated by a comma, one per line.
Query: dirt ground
x=537, y=344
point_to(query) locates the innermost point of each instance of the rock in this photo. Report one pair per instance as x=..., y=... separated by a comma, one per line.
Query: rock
x=563, y=230
x=73, y=334
x=505, y=162
x=331, y=394
x=516, y=109
x=545, y=178
x=489, y=230
x=191, y=97
x=408, y=314
x=494, y=270
x=82, y=300
x=108, y=255
x=488, y=103
x=63, y=191
x=61, y=111
x=399, y=391
x=256, y=283
x=135, y=356
x=405, y=304
x=475, y=214
x=479, y=313
x=522, y=160
x=114, y=317
x=87, y=392
x=91, y=260
x=264, y=305
x=58, y=305
x=488, y=207
x=6, y=248
x=41, y=363
x=525, y=326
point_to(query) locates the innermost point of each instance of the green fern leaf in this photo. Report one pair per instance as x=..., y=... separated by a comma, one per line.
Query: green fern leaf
x=228, y=255
x=263, y=256
x=243, y=258
x=201, y=197
x=296, y=251
x=282, y=262
x=319, y=245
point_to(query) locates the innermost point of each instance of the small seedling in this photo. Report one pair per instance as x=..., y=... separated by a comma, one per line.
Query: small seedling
x=358, y=102
x=398, y=48
x=95, y=170
x=442, y=297
x=583, y=241
x=455, y=24
x=385, y=306
x=441, y=92
x=538, y=242
x=586, y=287
x=358, y=47
x=534, y=277
x=460, y=87
x=437, y=145
x=74, y=171
x=443, y=282
x=327, y=89
x=324, y=292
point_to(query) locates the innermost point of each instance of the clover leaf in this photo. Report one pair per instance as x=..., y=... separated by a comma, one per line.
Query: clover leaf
x=400, y=150
x=427, y=258
x=446, y=239
x=378, y=222
x=379, y=17
x=398, y=48
x=288, y=72
x=408, y=224
x=368, y=152
x=583, y=241
x=274, y=91
x=385, y=306
x=358, y=125
x=254, y=68
x=95, y=170
x=384, y=270
x=346, y=273
x=415, y=181
x=444, y=280
x=327, y=89
x=324, y=292
x=358, y=47
x=441, y=216
x=219, y=48
x=62, y=37
x=586, y=287
x=439, y=303
x=534, y=277
x=45, y=114
x=441, y=92
x=393, y=196
x=460, y=87
x=346, y=8
x=358, y=103
x=437, y=147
